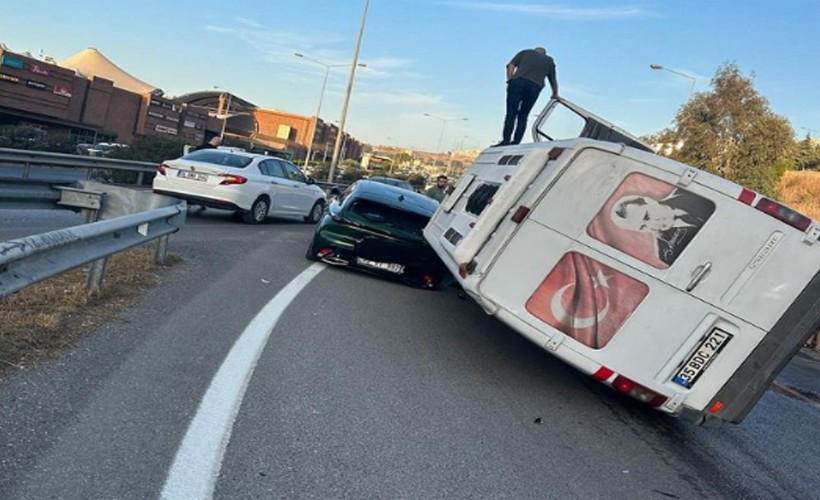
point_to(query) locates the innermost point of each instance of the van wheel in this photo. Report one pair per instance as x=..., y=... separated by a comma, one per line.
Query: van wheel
x=258, y=211
x=315, y=213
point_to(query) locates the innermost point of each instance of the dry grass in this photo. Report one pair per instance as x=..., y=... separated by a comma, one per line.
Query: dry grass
x=801, y=191
x=46, y=317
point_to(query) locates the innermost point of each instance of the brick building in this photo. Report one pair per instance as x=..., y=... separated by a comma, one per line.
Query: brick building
x=88, y=98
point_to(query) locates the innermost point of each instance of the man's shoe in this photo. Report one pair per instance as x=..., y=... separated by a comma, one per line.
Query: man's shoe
x=502, y=143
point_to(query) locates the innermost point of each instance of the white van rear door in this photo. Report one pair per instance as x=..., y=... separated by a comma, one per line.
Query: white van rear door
x=716, y=249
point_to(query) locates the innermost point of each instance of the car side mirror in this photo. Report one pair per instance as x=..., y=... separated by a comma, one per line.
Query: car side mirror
x=334, y=209
x=310, y=180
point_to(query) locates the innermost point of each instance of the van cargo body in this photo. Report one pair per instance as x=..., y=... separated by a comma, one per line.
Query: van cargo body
x=675, y=286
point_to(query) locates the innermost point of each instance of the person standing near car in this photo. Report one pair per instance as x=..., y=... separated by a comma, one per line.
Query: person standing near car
x=526, y=73
x=212, y=143
x=438, y=191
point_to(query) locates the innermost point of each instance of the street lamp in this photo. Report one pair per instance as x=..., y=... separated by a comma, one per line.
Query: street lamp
x=443, y=125
x=343, y=118
x=321, y=95
x=691, y=89
x=227, y=109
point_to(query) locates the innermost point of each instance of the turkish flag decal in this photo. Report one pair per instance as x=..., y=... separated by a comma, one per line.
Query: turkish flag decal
x=586, y=299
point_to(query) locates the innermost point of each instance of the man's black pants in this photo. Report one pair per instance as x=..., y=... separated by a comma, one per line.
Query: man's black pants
x=521, y=96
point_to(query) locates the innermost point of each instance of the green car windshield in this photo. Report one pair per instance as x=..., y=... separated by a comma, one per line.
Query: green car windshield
x=386, y=217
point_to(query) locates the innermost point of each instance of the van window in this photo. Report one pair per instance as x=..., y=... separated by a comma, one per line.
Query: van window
x=480, y=197
x=586, y=299
x=650, y=220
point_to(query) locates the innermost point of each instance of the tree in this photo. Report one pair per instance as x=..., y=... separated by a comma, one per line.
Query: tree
x=731, y=132
x=807, y=154
x=150, y=148
x=23, y=137
x=153, y=149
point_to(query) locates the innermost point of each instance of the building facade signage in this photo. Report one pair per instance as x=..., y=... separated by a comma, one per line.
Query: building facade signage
x=61, y=90
x=171, y=118
x=189, y=124
x=154, y=114
x=165, y=130
x=12, y=62
x=38, y=69
x=36, y=85
x=9, y=78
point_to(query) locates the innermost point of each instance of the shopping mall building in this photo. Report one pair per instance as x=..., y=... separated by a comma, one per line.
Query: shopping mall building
x=88, y=99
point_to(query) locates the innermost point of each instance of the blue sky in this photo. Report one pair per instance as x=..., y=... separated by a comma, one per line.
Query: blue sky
x=444, y=58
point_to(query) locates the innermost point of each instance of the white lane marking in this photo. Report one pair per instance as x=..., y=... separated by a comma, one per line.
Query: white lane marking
x=199, y=458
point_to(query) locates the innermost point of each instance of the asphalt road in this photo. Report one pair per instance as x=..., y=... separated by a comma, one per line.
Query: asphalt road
x=364, y=389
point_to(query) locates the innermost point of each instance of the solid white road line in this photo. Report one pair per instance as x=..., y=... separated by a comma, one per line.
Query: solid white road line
x=199, y=458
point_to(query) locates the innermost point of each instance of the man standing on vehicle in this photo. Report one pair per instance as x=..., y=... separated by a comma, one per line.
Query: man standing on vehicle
x=439, y=190
x=525, y=79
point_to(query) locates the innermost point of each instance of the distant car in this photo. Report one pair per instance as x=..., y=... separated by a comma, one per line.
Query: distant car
x=83, y=147
x=252, y=184
x=99, y=149
x=392, y=182
x=377, y=228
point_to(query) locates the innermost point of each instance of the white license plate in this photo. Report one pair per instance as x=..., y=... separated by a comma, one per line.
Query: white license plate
x=703, y=356
x=384, y=266
x=192, y=175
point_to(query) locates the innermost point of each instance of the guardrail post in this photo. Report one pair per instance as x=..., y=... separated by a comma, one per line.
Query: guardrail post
x=161, y=250
x=96, y=274
x=140, y=177
x=26, y=169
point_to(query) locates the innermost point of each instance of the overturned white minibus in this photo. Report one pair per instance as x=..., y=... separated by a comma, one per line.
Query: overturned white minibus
x=675, y=286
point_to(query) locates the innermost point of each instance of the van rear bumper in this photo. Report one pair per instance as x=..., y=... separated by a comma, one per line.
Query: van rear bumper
x=754, y=376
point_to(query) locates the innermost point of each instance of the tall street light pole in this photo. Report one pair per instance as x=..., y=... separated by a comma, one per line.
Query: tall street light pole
x=334, y=162
x=691, y=88
x=443, y=125
x=321, y=97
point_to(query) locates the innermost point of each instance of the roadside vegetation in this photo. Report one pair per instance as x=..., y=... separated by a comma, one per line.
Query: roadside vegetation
x=801, y=191
x=49, y=316
x=730, y=131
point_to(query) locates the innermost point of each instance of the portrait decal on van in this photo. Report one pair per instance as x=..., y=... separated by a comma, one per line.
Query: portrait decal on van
x=585, y=299
x=650, y=220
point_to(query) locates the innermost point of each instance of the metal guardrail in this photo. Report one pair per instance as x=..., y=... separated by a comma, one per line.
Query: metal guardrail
x=25, y=261
x=28, y=159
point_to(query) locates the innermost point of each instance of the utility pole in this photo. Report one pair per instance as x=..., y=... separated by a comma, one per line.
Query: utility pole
x=340, y=134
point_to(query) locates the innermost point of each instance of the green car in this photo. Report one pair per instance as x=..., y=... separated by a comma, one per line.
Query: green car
x=377, y=228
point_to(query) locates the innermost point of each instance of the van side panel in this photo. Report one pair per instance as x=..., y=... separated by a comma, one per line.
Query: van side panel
x=751, y=380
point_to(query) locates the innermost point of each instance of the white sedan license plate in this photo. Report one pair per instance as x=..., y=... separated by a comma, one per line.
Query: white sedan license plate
x=383, y=266
x=697, y=363
x=192, y=175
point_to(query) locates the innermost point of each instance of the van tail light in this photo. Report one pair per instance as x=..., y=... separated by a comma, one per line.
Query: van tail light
x=428, y=281
x=603, y=374
x=747, y=196
x=555, y=153
x=783, y=213
x=162, y=169
x=637, y=391
x=324, y=252
x=520, y=213
x=228, y=179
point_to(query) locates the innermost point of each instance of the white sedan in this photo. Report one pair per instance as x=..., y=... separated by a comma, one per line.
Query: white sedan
x=252, y=184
